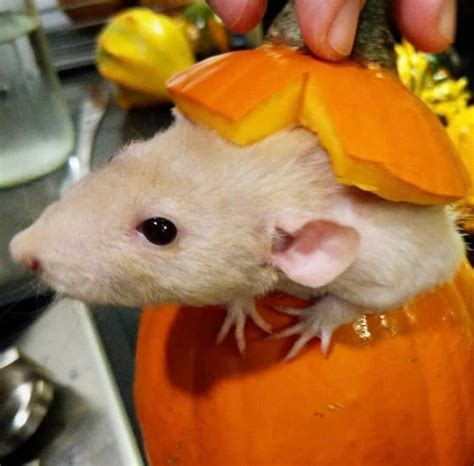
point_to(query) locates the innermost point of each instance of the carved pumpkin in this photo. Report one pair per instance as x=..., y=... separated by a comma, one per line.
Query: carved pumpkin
x=396, y=389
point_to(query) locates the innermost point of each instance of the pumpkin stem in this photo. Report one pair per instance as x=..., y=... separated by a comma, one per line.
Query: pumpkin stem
x=374, y=42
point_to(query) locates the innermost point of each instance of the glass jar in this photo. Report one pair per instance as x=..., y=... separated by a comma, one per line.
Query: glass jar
x=36, y=131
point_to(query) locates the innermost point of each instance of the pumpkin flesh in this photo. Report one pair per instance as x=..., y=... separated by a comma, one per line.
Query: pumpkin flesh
x=280, y=111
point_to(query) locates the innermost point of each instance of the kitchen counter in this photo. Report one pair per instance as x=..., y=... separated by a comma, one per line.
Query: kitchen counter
x=87, y=424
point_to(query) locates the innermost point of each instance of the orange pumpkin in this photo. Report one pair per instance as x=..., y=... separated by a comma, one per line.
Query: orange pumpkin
x=380, y=137
x=396, y=389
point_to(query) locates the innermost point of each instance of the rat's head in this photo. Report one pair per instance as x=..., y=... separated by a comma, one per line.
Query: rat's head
x=153, y=225
x=182, y=217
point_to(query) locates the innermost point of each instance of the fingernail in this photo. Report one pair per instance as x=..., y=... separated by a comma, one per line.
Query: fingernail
x=447, y=20
x=342, y=31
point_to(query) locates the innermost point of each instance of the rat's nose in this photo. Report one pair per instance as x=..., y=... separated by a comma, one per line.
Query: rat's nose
x=21, y=251
x=32, y=264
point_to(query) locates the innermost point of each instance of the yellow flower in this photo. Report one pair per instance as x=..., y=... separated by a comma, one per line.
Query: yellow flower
x=461, y=131
x=433, y=84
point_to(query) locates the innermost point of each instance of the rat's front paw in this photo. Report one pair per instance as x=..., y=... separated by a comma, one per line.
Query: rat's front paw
x=318, y=321
x=237, y=314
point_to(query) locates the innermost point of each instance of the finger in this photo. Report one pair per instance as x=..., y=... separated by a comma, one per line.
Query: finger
x=329, y=26
x=239, y=15
x=430, y=25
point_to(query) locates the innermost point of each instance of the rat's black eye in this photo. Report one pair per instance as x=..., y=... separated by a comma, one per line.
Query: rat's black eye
x=158, y=230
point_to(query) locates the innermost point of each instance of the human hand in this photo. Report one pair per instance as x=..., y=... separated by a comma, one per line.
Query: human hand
x=329, y=26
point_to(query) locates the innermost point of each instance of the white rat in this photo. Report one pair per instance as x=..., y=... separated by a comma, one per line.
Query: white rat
x=188, y=217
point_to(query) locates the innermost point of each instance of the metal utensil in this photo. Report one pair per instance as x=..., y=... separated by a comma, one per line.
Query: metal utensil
x=91, y=112
x=26, y=393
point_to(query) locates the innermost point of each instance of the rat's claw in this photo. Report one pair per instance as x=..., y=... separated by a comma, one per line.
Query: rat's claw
x=296, y=329
x=293, y=311
x=230, y=319
x=258, y=320
x=307, y=329
x=318, y=321
x=312, y=325
x=237, y=313
x=324, y=335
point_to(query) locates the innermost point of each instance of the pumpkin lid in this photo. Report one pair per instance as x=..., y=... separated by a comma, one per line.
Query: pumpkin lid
x=379, y=136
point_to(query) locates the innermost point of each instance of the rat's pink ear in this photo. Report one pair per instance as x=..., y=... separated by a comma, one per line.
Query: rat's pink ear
x=313, y=252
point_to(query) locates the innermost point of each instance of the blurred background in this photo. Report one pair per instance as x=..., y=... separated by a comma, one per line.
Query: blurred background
x=71, y=26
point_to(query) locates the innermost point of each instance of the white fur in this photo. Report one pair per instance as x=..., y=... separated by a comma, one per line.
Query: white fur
x=223, y=198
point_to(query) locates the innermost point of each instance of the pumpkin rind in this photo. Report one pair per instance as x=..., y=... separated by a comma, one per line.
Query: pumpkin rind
x=395, y=390
x=380, y=137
